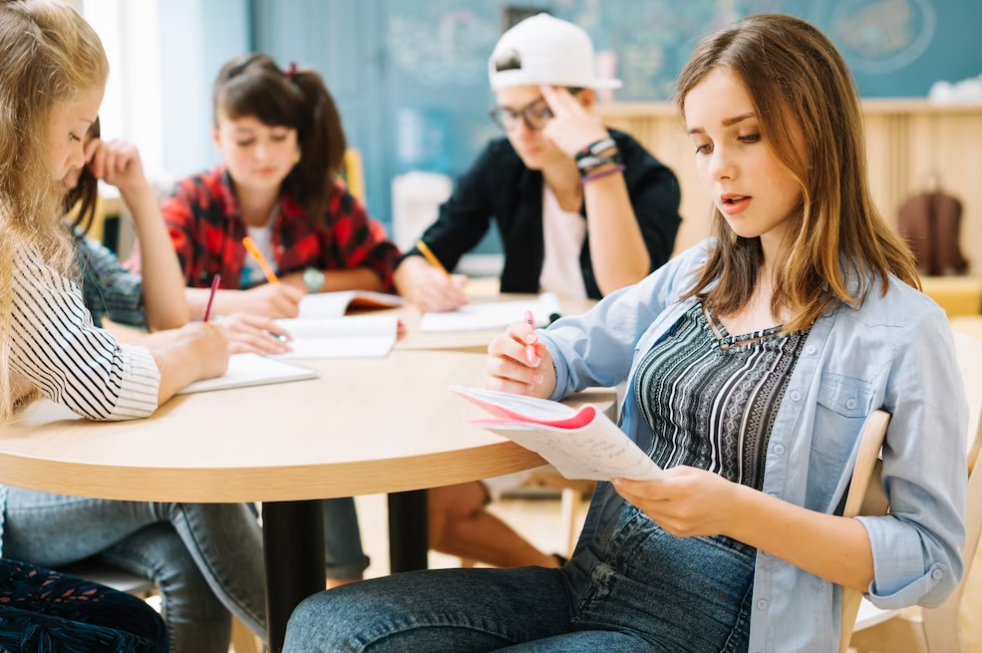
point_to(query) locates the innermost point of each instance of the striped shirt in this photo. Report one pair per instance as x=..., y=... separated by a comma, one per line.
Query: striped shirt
x=56, y=346
x=710, y=401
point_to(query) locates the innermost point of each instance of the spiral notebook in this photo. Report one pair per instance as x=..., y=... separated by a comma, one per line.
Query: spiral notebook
x=583, y=444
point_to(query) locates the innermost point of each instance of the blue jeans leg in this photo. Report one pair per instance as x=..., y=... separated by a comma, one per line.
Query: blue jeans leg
x=196, y=620
x=343, y=554
x=223, y=541
x=444, y=611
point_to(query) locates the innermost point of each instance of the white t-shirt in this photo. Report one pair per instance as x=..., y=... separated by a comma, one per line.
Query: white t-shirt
x=252, y=273
x=564, y=234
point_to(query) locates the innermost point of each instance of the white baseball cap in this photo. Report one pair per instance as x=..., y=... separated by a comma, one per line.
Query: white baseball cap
x=543, y=50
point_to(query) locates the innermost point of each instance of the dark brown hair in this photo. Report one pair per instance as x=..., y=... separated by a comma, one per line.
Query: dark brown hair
x=253, y=85
x=86, y=192
x=794, y=74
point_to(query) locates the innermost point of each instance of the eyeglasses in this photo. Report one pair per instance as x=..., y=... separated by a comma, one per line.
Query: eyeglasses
x=536, y=115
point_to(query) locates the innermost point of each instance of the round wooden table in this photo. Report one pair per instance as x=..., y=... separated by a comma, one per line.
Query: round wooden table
x=364, y=427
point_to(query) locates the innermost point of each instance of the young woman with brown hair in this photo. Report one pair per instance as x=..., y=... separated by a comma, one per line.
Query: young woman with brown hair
x=741, y=545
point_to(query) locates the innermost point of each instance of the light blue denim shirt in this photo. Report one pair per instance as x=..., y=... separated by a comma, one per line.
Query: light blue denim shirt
x=894, y=352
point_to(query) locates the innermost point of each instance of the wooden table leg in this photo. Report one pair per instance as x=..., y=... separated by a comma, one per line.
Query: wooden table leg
x=409, y=531
x=293, y=544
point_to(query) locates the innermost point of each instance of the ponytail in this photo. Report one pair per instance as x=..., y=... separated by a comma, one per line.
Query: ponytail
x=322, y=144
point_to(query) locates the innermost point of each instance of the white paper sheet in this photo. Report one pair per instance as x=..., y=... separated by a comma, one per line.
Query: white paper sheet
x=598, y=451
x=359, y=336
x=492, y=315
x=246, y=370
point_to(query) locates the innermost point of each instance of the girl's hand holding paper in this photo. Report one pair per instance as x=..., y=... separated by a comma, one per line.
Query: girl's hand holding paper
x=686, y=501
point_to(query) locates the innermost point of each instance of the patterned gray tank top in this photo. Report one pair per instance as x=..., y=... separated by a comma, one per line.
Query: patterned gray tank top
x=711, y=402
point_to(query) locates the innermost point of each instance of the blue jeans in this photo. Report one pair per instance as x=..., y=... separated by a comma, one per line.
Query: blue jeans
x=635, y=588
x=207, y=559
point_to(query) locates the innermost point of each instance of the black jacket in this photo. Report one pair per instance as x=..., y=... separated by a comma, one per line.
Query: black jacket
x=499, y=186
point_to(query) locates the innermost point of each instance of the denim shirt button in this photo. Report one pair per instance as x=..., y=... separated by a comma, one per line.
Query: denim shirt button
x=810, y=350
x=937, y=574
x=795, y=395
x=762, y=604
x=779, y=449
x=851, y=404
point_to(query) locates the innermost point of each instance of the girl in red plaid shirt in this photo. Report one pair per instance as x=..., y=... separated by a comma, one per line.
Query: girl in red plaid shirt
x=280, y=135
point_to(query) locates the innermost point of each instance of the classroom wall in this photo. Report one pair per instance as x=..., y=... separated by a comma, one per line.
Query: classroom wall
x=410, y=73
x=198, y=36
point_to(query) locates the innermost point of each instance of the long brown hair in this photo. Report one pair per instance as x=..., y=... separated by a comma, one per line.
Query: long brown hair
x=85, y=195
x=793, y=73
x=48, y=55
x=253, y=85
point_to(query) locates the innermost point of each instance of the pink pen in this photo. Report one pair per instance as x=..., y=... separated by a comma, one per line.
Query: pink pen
x=530, y=349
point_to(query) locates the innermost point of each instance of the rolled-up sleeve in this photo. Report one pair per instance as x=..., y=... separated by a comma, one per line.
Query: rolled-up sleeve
x=917, y=548
x=55, y=345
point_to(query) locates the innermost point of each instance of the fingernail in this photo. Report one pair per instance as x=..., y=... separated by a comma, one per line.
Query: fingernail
x=538, y=378
x=530, y=337
x=616, y=482
x=531, y=387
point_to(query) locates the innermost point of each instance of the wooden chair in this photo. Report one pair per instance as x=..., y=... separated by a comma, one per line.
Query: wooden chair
x=937, y=630
x=865, y=497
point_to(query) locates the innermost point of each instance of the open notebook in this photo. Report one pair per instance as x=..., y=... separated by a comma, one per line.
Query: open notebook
x=581, y=444
x=494, y=315
x=357, y=336
x=245, y=370
x=322, y=305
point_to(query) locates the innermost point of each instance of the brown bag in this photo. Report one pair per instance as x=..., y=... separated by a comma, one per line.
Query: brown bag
x=931, y=222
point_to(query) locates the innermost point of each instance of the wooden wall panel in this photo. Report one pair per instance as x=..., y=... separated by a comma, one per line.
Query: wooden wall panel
x=909, y=144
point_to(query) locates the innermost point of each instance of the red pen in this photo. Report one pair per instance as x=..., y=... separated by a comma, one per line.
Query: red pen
x=211, y=297
x=530, y=349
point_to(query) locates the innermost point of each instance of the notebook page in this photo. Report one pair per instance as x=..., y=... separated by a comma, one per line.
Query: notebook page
x=363, y=336
x=597, y=452
x=493, y=315
x=354, y=326
x=245, y=370
x=335, y=304
x=325, y=305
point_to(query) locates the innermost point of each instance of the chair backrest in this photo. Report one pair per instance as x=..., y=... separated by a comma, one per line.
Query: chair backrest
x=969, y=351
x=865, y=497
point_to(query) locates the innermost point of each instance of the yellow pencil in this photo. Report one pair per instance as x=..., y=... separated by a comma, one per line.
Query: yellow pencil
x=431, y=257
x=263, y=263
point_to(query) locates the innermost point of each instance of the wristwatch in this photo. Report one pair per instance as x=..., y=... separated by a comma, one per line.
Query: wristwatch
x=313, y=279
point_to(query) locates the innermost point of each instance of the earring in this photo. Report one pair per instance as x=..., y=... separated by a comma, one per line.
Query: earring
x=296, y=157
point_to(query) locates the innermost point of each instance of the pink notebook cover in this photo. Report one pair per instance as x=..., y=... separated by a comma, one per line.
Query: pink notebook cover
x=582, y=418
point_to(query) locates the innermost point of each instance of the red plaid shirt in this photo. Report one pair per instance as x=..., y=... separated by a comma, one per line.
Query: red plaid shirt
x=202, y=215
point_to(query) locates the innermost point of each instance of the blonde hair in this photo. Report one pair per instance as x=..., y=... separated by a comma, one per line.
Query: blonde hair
x=793, y=73
x=48, y=55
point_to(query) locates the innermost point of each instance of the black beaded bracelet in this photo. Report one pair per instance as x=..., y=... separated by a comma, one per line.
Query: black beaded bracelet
x=597, y=154
x=588, y=165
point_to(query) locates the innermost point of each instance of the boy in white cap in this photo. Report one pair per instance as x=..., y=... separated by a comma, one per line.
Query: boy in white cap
x=582, y=210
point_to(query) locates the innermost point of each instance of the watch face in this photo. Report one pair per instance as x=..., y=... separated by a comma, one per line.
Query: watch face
x=313, y=279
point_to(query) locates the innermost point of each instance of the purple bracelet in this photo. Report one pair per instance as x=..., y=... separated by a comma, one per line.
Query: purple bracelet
x=600, y=175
